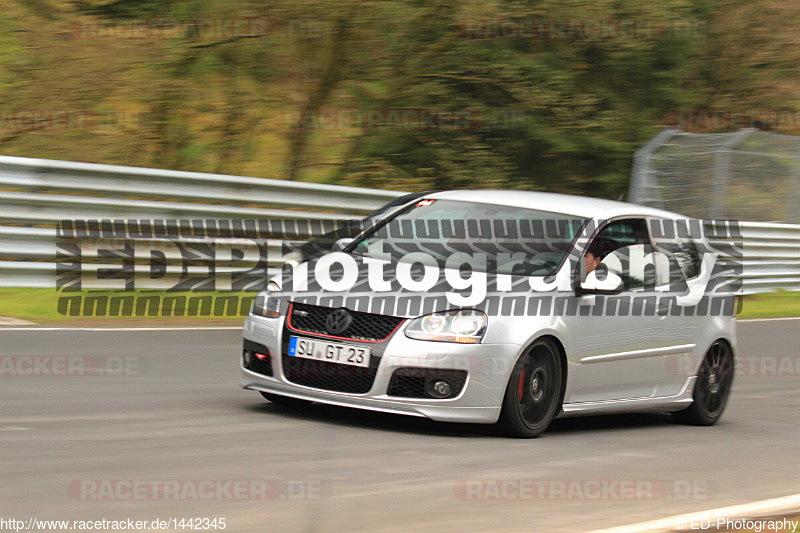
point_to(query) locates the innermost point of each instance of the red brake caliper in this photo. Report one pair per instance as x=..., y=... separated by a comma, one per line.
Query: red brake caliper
x=521, y=383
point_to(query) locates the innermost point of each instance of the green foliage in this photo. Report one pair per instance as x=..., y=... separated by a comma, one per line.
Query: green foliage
x=562, y=110
x=9, y=52
x=128, y=9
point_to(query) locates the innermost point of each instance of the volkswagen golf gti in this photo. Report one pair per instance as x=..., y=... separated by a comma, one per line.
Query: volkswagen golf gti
x=503, y=307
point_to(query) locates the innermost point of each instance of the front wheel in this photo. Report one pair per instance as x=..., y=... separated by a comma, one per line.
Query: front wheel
x=712, y=387
x=533, y=395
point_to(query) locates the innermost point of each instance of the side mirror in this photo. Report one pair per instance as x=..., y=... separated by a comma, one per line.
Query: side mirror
x=607, y=282
x=293, y=258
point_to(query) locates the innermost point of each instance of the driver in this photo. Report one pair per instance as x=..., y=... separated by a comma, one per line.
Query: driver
x=596, y=252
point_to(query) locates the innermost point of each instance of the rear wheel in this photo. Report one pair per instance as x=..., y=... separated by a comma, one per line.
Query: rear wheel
x=533, y=394
x=712, y=387
x=284, y=400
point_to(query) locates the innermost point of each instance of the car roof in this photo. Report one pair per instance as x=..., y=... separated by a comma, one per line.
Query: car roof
x=567, y=204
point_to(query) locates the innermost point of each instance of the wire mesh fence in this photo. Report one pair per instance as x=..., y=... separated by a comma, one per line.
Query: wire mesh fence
x=748, y=175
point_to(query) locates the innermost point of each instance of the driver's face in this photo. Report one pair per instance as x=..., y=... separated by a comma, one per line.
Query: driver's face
x=591, y=262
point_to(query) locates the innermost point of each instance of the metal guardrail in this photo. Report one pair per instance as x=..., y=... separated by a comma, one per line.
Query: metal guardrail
x=37, y=194
x=771, y=256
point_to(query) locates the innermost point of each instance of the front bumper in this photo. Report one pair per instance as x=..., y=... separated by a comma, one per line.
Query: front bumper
x=488, y=368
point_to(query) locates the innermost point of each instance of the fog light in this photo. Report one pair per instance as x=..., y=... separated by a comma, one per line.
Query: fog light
x=246, y=355
x=440, y=389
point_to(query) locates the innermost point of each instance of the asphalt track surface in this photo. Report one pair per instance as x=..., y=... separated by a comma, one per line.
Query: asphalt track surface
x=177, y=414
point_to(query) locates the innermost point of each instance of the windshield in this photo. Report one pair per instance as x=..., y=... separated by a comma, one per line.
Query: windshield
x=502, y=239
x=323, y=244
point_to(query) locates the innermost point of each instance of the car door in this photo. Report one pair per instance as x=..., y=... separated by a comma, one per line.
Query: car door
x=619, y=343
x=680, y=288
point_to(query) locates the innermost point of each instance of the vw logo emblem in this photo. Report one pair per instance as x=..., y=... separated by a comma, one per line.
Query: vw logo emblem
x=338, y=321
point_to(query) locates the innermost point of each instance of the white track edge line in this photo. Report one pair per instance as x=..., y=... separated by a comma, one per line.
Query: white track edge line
x=748, y=511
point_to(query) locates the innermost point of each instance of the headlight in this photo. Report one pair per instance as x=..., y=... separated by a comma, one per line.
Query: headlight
x=465, y=327
x=268, y=303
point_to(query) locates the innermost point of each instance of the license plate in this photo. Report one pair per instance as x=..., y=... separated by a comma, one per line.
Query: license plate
x=333, y=352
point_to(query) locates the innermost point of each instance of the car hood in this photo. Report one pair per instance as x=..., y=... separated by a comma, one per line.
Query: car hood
x=380, y=291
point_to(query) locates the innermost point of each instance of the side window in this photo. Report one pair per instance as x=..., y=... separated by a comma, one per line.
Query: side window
x=681, y=252
x=634, y=264
x=623, y=247
x=624, y=232
x=689, y=257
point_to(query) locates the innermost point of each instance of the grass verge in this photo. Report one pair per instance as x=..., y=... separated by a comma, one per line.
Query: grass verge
x=48, y=306
x=771, y=305
x=90, y=308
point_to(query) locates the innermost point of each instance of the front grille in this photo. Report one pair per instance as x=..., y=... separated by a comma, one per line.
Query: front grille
x=254, y=364
x=330, y=376
x=411, y=382
x=364, y=327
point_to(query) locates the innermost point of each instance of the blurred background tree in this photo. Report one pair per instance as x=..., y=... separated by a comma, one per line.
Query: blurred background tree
x=320, y=90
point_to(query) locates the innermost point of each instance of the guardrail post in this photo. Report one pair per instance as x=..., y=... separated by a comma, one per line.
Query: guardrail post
x=722, y=172
x=643, y=188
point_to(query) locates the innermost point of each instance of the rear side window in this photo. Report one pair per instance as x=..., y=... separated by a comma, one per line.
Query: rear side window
x=689, y=257
x=682, y=250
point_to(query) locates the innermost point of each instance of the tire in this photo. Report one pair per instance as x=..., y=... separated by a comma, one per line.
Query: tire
x=284, y=400
x=533, y=395
x=712, y=387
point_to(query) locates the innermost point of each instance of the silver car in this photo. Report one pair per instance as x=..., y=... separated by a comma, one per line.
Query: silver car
x=567, y=306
